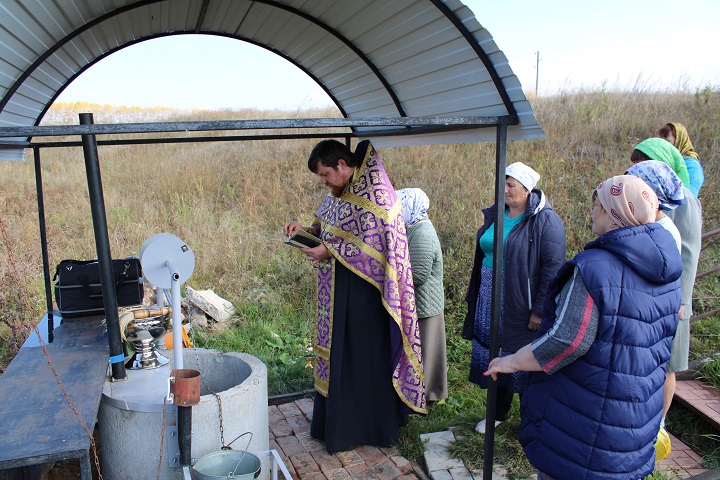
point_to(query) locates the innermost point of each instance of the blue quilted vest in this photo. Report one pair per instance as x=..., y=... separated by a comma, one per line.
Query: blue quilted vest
x=597, y=418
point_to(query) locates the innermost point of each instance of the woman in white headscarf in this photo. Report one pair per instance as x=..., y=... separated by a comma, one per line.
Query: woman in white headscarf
x=534, y=238
x=427, y=271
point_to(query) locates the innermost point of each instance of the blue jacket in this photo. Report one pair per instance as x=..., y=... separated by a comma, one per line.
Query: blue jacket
x=535, y=250
x=597, y=418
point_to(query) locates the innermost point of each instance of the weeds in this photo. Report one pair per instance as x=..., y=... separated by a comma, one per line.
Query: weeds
x=702, y=437
x=710, y=372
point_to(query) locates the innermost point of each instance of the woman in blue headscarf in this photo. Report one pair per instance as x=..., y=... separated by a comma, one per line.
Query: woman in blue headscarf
x=667, y=186
x=687, y=217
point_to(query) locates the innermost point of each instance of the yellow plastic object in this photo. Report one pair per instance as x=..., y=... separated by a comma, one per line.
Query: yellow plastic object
x=185, y=339
x=662, y=445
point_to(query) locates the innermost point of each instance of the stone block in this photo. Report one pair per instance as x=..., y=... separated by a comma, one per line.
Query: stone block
x=437, y=440
x=274, y=413
x=280, y=428
x=440, y=475
x=436, y=460
x=389, y=451
x=460, y=474
x=314, y=476
x=306, y=406
x=209, y=302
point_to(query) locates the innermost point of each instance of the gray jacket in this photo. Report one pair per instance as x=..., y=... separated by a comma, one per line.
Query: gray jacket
x=688, y=220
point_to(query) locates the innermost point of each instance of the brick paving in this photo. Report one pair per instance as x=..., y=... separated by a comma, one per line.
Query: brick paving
x=701, y=398
x=307, y=459
x=682, y=460
x=704, y=400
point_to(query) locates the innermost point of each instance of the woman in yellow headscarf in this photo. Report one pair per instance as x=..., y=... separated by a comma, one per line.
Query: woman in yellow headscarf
x=677, y=134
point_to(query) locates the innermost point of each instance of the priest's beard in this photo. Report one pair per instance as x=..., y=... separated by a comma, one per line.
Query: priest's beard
x=337, y=191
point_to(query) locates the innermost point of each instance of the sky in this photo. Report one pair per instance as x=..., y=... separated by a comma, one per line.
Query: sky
x=561, y=45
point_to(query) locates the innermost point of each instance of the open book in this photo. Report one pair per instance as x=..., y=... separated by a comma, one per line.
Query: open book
x=303, y=239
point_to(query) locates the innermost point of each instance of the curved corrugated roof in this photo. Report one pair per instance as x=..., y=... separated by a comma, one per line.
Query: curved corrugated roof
x=374, y=58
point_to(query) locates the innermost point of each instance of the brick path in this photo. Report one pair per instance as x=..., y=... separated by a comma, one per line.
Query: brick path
x=682, y=460
x=704, y=400
x=701, y=398
x=307, y=459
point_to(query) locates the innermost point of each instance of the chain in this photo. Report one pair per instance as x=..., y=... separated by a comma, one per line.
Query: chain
x=222, y=430
x=217, y=395
x=162, y=437
x=26, y=306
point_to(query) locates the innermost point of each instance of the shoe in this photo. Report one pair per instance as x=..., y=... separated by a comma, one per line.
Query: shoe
x=480, y=427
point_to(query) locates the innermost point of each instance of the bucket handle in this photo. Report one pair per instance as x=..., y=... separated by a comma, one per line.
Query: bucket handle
x=227, y=447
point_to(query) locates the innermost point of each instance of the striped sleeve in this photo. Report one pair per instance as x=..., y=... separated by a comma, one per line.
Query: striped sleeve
x=574, y=330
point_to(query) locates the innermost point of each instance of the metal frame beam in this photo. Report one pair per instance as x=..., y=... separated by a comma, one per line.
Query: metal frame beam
x=409, y=126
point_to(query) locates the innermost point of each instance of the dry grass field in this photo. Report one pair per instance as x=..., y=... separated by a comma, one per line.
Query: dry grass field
x=229, y=201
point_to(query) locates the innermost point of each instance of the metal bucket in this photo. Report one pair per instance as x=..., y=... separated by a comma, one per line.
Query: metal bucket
x=227, y=464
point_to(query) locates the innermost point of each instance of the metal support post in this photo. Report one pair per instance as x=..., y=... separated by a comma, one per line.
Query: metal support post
x=102, y=245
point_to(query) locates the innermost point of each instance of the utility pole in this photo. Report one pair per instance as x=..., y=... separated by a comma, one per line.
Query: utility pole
x=537, y=73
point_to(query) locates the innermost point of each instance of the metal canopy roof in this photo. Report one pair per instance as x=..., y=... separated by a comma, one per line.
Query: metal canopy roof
x=385, y=63
x=374, y=58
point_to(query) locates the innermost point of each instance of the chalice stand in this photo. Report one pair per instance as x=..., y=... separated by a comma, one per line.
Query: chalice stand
x=143, y=335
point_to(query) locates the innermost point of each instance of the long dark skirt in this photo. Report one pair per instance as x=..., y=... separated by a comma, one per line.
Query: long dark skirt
x=362, y=407
x=480, y=359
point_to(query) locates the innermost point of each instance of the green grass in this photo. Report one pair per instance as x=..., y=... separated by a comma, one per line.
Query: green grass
x=259, y=330
x=710, y=372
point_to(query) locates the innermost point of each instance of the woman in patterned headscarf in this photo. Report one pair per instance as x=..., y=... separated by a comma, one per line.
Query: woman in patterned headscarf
x=677, y=134
x=427, y=273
